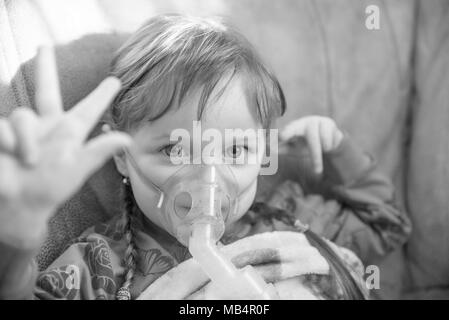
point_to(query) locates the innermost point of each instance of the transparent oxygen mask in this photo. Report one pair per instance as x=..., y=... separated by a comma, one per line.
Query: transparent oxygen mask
x=196, y=202
x=199, y=194
x=195, y=193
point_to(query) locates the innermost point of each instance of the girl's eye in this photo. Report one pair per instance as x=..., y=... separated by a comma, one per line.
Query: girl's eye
x=235, y=151
x=173, y=150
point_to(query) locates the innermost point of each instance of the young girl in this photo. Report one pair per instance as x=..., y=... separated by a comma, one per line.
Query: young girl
x=175, y=70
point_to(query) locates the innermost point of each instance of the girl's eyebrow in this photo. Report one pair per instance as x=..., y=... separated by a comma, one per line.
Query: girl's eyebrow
x=242, y=138
x=237, y=138
x=162, y=136
x=151, y=140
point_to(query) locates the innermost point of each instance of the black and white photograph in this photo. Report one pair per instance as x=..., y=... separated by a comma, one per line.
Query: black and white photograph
x=239, y=151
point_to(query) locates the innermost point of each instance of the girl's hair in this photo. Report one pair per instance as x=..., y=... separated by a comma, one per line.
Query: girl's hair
x=130, y=258
x=172, y=55
x=167, y=59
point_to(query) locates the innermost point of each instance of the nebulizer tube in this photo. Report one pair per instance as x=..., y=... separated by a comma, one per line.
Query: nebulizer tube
x=195, y=203
x=229, y=282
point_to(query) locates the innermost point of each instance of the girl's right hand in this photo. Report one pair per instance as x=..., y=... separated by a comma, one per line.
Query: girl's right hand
x=44, y=158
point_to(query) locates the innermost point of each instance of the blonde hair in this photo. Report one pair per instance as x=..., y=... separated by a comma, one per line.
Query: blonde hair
x=168, y=58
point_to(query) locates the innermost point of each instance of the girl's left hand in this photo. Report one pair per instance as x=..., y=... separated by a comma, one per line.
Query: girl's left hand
x=321, y=134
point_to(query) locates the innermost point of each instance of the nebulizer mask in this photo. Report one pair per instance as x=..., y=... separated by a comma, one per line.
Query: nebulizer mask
x=196, y=202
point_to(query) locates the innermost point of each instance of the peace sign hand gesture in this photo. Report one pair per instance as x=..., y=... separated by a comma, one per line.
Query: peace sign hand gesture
x=44, y=157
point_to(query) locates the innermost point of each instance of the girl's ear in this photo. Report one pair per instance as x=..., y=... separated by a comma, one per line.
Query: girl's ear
x=120, y=164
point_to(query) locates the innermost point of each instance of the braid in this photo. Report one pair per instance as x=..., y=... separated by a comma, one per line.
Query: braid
x=130, y=253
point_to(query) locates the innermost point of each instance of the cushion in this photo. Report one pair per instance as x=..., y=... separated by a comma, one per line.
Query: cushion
x=428, y=172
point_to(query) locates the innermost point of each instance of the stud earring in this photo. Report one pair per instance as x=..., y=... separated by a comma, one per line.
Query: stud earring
x=125, y=181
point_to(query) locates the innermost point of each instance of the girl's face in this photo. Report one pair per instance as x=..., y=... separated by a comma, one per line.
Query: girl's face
x=152, y=147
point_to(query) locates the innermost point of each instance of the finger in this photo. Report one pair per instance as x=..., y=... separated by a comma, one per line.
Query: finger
x=313, y=139
x=91, y=108
x=24, y=123
x=98, y=150
x=48, y=96
x=7, y=137
x=327, y=130
x=294, y=128
x=337, y=138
